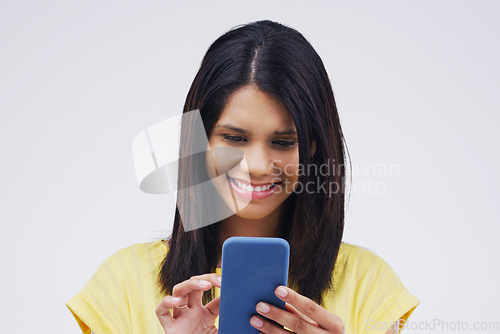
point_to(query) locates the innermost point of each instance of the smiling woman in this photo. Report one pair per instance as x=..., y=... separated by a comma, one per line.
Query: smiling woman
x=263, y=89
x=261, y=126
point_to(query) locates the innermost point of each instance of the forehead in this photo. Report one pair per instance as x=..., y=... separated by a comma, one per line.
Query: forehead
x=252, y=108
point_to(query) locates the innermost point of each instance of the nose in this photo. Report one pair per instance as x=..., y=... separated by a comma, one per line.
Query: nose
x=258, y=161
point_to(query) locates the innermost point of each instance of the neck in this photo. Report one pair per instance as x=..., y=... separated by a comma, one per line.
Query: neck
x=243, y=227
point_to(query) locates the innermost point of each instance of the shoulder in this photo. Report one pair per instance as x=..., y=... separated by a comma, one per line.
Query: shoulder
x=368, y=284
x=357, y=264
x=139, y=252
x=128, y=260
x=125, y=280
x=352, y=251
x=365, y=268
x=359, y=259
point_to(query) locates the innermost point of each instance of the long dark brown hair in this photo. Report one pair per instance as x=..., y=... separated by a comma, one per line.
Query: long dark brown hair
x=282, y=63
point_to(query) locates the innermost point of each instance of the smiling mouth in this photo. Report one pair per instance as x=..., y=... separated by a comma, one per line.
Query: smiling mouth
x=248, y=187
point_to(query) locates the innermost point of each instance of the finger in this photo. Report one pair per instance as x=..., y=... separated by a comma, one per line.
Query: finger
x=213, y=306
x=310, y=309
x=266, y=326
x=163, y=310
x=288, y=319
x=292, y=309
x=191, y=290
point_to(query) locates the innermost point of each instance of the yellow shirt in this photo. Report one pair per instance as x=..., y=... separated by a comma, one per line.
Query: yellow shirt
x=122, y=295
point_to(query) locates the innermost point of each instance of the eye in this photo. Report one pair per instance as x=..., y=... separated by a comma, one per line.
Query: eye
x=285, y=143
x=234, y=139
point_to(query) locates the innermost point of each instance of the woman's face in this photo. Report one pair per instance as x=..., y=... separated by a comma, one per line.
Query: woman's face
x=262, y=128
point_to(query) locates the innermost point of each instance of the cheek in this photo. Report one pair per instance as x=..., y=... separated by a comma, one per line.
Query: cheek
x=289, y=166
x=209, y=161
x=211, y=142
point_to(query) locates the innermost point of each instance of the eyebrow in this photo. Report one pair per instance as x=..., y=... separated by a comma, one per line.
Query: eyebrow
x=276, y=133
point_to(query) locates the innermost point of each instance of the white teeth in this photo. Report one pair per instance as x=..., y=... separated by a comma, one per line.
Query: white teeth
x=248, y=187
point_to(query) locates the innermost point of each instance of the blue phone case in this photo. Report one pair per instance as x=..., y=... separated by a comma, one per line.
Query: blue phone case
x=252, y=268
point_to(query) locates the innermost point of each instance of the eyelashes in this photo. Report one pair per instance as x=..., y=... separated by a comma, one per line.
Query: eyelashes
x=233, y=139
x=284, y=144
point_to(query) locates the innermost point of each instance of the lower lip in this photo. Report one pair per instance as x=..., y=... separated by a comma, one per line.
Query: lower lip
x=253, y=194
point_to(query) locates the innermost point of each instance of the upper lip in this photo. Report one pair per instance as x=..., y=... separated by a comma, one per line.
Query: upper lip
x=256, y=184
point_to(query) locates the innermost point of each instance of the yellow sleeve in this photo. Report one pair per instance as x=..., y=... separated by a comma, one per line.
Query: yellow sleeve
x=387, y=300
x=102, y=305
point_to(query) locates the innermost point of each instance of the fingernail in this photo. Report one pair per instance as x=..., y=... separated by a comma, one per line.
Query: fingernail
x=175, y=299
x=256, y=322
x=263, y=307
x=219, y=279
x=281, y=291
x=204, y=283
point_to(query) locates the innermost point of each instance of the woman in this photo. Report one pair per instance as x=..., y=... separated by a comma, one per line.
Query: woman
x=263, y=89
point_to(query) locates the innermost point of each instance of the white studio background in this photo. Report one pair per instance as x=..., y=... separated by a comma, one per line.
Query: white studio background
x=416, y=84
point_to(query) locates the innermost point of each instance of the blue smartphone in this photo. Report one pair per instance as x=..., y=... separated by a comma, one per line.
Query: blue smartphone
x=252, y=268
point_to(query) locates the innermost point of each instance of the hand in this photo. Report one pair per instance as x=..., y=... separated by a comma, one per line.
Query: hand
x=314, y=320
x=195, y=318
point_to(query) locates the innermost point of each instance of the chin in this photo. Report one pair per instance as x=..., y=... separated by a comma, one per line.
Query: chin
x=255, y=212
x=258, y=209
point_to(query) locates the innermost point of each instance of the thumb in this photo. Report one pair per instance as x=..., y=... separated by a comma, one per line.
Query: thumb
x=213, y=306
x=163, y=312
